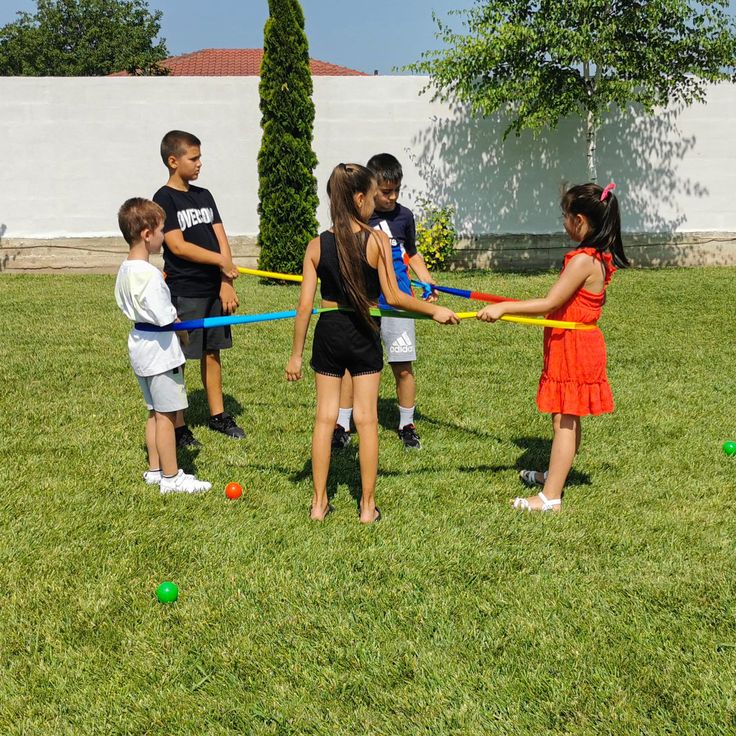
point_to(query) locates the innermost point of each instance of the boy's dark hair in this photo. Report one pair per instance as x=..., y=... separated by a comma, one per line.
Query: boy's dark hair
x=175, y=143
x=385, y=167
x=603, y=217
x=136, y=215
x=345, y=181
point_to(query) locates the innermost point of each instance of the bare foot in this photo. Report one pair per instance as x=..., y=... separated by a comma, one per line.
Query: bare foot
x=370, y=517
x=320, y=514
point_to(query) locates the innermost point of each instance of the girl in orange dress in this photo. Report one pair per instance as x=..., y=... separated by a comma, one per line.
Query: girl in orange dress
x=573, y=382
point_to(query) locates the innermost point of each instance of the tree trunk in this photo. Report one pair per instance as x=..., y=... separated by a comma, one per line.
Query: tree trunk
x=590, y=123
x=591, y=141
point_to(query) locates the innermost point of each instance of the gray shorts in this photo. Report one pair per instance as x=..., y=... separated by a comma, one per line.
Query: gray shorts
x=202, y=341
x=164, y=392
x=399, y=339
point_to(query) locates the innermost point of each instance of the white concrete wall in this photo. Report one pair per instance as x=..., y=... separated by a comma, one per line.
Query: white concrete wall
x=75, y=148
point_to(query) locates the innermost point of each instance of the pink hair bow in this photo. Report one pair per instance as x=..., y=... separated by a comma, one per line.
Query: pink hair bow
x=607, y=190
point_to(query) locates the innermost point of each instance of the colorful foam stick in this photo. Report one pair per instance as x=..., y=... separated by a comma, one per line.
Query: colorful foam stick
x=232, y=319
x=559, y=324
x=465, y=293
x=426, y=288
x=244, y=319
x=271, y=274
x=481, y=296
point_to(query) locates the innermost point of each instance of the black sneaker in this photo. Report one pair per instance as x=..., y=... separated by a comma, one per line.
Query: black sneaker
x=408, y=435
x=226, y=424
x=340, y=438
x=185, y=438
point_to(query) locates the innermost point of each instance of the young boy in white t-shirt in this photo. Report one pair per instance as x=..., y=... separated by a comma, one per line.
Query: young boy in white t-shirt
x=156, y=357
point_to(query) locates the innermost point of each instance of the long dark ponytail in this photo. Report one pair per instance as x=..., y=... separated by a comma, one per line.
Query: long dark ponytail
x=600, y=207
x=344, y=183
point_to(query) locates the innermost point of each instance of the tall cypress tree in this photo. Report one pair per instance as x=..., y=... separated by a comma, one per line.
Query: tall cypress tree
x=287, y=188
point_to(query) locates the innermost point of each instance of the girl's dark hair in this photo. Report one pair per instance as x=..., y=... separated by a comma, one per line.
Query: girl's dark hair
x=344, y=183
x=603, y=217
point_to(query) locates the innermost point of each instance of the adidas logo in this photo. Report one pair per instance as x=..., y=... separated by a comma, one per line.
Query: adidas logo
x=383, y=225
x=402, y=344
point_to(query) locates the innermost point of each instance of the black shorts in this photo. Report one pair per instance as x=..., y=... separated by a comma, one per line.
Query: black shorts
x=342, y=343
x=202, y=341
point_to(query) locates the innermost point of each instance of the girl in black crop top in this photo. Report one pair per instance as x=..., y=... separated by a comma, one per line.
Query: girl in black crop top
x=328, y=272
x=353, y=261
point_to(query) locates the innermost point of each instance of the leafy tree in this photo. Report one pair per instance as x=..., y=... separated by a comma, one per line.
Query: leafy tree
x=287, y=187
x=540, y=60
x=66, y=38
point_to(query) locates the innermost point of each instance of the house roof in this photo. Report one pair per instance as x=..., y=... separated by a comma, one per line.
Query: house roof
x=237, y=63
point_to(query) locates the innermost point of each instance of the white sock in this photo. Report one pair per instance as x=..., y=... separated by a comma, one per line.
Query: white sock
x=343, y=418
x=406, y=416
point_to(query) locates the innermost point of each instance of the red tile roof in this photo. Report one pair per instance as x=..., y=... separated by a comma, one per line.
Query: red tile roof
x=237, y=63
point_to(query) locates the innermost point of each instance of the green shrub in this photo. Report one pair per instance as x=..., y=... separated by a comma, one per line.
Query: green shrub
x=287, y=189
x=436, y=235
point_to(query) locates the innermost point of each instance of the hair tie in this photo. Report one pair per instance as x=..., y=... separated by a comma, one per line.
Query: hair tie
x=607, y=190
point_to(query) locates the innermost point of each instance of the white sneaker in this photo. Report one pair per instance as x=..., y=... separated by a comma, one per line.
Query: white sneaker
x=183, y=483
x=152, y=477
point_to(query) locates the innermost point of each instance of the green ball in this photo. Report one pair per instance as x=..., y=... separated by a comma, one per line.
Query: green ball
x=729, y=448
x=167, y=592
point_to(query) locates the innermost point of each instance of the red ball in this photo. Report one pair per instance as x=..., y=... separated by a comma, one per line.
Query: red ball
x=234, y=490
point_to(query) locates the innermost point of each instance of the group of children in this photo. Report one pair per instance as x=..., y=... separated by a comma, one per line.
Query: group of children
x=361, y=262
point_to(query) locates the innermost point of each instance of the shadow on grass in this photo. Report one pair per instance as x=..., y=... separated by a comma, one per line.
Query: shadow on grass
x=186, y=457
x=388, y=413
x=388, y=418
x=485, y=468
x=536, y=457
x=344, y=471
x=198, y=413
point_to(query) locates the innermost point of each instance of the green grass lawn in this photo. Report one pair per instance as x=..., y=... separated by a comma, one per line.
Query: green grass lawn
x=454, y=615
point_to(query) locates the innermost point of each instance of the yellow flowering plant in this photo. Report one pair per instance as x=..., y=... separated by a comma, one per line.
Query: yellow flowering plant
x=436, y=235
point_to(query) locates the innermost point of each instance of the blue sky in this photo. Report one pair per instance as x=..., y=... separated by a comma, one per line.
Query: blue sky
x=379, y=34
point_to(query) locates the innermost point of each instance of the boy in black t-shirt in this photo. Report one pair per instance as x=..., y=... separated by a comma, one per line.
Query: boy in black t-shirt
x=199, y=272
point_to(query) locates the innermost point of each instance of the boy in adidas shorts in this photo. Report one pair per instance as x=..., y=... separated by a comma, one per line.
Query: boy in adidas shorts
x=156, y=357
x=398, y=334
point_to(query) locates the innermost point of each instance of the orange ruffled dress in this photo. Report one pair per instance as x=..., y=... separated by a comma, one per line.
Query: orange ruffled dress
x=574, y=377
